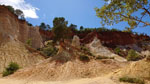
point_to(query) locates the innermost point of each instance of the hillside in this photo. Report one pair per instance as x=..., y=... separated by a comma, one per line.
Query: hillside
x=17, y=52
x=91, y=56
x=14, y=34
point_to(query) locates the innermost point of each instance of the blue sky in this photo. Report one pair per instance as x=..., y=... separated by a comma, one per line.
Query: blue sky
x=78, y=12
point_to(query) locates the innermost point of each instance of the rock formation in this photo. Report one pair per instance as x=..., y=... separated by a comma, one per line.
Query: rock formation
x=76, y=41
x=113, y=38
x=98, y=49
x=11, y=28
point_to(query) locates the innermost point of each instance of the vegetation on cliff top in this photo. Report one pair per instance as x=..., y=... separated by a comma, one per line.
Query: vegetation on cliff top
x=17, y=12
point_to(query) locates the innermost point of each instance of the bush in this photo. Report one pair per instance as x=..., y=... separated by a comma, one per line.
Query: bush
x=132, y=80
x=132, y=55
x=84, y=49
x=12, y=67
x=113, y=30
x=104, y=57
x=49, y=50
x=29, y=42
x=117, y=50
x=84, y=58
x=10, y=8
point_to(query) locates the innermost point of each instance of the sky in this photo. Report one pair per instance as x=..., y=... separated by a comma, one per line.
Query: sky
x=78, y=12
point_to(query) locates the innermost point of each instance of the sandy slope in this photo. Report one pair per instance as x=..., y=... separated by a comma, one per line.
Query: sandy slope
x=68, y=73
x=51, y=71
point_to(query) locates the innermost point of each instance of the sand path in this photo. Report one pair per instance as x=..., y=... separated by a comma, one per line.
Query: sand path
x=98, y=80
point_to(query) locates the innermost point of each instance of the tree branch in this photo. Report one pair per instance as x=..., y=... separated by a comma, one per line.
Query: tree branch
x=130, y=17
x=141, y=19
x=146, y=10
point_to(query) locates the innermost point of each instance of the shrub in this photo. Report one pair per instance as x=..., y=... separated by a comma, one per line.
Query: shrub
x=12, y=67
x=104, y=57
x=132, y=80
x=132, y=55
x=117, y=50
x=10, y=8
x=29, y=42
x=49, y=50
x=84, y=58
x=113, y=30
x=84, y=49
x=102, y=29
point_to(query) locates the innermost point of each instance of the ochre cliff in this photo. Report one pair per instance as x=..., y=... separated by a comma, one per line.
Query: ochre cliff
x=11, y=28
x=14, y=51
x=108, y=38
x=112, y=38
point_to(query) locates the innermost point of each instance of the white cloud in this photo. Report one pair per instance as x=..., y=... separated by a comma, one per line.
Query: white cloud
x=28, y=10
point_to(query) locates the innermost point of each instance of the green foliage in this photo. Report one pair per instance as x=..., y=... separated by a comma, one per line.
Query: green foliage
x=113, y=29
x=60, y=30
x=73, y=28
x=29, y=42
x=12, y=67
x=59, y=21
x=124, y=11
x=102, y=29
x=86, y=50
x=81, y=28
x=84, y=58
x=132, y=80
x=83, y=48
x=104, y=57
x=132, y=55
x=20, y=14
x=117, y=50
x=29, y=24
x=43, y=26
x=10, y=8
x=49, y=50
x=48, y=27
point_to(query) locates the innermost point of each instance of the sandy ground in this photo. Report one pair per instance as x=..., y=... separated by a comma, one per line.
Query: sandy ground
x=104, y=78
x=98, y=80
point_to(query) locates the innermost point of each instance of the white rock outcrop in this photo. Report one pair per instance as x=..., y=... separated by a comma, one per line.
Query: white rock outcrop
x=98, y=49
x=76, y=41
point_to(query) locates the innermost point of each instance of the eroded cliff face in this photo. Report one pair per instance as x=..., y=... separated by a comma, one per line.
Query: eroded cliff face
x=11, y=28
x=16, y=52
x=14, y=33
